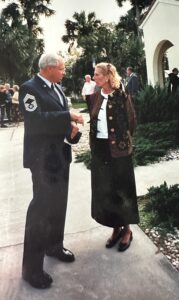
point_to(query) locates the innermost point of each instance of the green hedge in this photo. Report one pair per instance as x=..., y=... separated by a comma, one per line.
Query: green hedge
x=155, y=104
x=153, y=140
x=163, y=205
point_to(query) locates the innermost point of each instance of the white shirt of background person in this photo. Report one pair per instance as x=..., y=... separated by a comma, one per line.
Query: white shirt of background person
x=89, y=86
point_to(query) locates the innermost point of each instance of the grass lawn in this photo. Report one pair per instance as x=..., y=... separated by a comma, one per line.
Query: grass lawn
x=79, y=105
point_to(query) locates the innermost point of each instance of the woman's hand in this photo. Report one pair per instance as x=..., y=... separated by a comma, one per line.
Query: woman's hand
x=78, y=119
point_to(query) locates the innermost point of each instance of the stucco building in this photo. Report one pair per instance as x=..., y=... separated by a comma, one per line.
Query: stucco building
x=161, y=33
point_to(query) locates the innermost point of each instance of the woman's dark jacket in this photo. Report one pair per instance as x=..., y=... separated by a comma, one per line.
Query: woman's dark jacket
x=119, y=135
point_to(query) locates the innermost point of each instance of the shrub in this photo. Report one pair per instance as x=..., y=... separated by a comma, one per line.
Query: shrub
x=163, y=204
x=155, y=104
x=153, y=140
x=84, y=157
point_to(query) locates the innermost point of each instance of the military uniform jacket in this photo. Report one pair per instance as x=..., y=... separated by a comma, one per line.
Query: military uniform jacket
x=47, y=124
x=119, y=137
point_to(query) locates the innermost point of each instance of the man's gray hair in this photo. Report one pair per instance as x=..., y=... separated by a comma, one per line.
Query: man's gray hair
x=87, y=75
x=49, y=60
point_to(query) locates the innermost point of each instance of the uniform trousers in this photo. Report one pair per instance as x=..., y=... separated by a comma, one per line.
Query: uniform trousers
x=46, y=214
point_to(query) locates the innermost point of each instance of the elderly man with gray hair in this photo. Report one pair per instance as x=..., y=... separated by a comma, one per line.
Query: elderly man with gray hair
x=49, y=130
x=88, y=89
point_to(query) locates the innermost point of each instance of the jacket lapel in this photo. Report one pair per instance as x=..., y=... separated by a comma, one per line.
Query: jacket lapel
x=96, y=104
x=48, y=90
x=54, y=95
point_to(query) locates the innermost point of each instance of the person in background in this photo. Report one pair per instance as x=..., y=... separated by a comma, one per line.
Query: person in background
x=173, y=81
x=9, y=93
x=132, y=85
x=114, y=200
x=2, y=104
x=15, y=103
x=88, y=89
x=49, y=130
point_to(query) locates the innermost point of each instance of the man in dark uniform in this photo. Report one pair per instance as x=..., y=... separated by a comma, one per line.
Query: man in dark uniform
x=49, y=128
x=132, y=86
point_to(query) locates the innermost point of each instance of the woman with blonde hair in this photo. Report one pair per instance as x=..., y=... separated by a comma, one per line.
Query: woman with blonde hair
x=114, y=200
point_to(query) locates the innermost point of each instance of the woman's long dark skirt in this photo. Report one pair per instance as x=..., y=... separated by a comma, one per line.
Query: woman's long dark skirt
x=114, y=200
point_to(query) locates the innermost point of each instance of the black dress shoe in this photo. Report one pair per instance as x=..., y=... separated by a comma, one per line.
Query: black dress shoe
x=112, y=242
x=62, y=254
x=124, y=246
x=39, y=281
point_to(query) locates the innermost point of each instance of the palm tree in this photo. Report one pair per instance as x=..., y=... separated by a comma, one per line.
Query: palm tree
x=33, y=9
x=30, y=11
x=13, y=51
x=82, y=26
x=21, y=45
x=12, y=13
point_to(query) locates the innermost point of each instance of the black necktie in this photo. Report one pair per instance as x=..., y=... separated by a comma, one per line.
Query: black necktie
x=60, y=97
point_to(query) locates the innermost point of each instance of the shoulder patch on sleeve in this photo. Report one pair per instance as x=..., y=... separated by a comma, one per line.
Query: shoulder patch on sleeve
x=30, y=102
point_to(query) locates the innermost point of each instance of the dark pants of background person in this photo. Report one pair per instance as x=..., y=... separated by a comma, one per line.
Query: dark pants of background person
x=15, y=113
x=87, y=98
x=46, y=215
x=2, y=108
x=8, y=110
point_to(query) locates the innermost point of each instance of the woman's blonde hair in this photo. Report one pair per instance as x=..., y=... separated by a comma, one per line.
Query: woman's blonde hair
x=110, y=70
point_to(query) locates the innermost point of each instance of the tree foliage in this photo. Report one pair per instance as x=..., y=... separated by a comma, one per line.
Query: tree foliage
x=99, y=41
x=13, y=51
x=139, y=7
x=140, y=4
x=80, y=28
x=21, y=38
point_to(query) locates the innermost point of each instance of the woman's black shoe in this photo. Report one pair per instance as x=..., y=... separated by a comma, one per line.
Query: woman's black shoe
x=124, y=246
x=112, y=242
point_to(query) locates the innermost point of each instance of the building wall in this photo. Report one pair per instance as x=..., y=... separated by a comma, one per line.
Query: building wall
x=173, y=58
x=161, y=31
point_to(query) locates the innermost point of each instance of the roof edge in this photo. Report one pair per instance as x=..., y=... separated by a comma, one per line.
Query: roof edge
x=153, y=5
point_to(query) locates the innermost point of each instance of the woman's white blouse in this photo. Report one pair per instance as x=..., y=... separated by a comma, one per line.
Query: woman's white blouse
x=102, y=127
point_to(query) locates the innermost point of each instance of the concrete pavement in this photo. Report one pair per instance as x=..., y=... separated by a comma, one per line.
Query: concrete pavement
x=141, y=273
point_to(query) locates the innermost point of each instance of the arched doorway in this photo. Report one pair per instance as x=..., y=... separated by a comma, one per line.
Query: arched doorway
x=159, y=53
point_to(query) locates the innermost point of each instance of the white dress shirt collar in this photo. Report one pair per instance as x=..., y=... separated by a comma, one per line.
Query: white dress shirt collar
x=48, y=83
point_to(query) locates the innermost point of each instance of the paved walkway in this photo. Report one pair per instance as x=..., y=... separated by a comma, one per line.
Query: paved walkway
x=141, y=273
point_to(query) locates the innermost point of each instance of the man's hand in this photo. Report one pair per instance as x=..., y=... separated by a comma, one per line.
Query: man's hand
x=77, y=118
x=74, y=130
